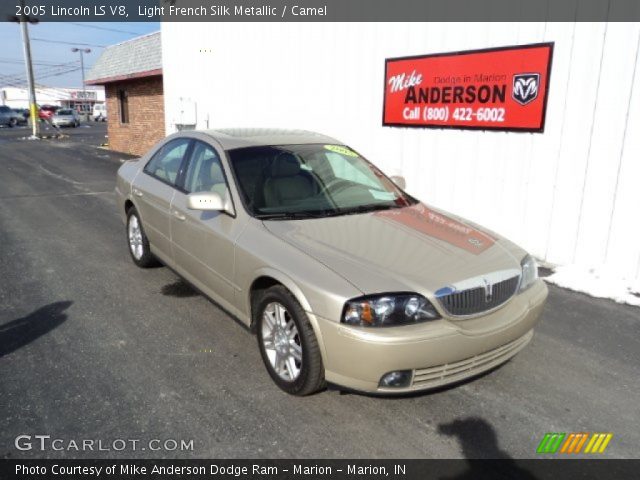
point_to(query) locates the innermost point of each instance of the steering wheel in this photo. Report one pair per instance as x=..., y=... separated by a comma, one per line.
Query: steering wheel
x=337, y=184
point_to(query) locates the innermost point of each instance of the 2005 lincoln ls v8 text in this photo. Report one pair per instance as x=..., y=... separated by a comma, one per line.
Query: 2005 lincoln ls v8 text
x=343, y=276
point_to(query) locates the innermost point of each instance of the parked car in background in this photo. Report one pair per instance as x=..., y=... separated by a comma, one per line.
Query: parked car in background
x=47, y=111
x=8, y=117
x=66, y=117
x=22, y=115
x=100, y=112
x=343, y=276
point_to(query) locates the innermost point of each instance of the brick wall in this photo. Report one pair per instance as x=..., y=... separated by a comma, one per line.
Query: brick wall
x=146, y=115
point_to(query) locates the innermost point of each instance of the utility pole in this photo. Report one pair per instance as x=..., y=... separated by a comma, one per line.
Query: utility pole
x=26, y=44
x=84, y=88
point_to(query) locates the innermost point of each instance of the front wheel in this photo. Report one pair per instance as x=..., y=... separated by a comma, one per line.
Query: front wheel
x=287, y=343
x=138, y=242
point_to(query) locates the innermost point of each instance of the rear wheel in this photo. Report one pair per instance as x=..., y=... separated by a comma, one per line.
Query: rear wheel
x=138, y=242
x=287, y=343
x=13, y=122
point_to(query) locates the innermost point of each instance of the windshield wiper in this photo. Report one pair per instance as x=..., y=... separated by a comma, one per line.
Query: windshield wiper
x=293, y=215
x=327, y=213
x=367, y=208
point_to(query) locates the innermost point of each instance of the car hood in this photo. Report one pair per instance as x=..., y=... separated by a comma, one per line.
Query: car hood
x=414, y=248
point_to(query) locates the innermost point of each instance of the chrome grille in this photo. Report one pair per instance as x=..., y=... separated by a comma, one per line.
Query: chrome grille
x=479, y=299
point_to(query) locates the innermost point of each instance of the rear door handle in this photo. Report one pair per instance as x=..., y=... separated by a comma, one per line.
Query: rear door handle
x=178, y=215
x=137, y=192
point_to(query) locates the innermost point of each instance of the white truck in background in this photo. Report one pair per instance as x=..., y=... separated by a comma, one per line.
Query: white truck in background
x=100, y=112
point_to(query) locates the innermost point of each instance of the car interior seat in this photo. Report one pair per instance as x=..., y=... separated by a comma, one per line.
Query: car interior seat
x=218, y=184
x=209, y=177
x=285, y=182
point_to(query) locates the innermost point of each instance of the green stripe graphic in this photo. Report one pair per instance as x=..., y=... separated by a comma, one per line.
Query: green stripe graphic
x=551, y=442
x=543, y=443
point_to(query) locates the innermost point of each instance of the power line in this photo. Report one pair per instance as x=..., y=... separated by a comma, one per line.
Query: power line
x=39, y=87
x=43, y=70
x=57, y=74
x=12, y=80
x=104, y=28
x=43, y=62
x=67, y=43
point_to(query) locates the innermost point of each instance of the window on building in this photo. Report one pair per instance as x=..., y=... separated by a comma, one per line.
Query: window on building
x=123, y=100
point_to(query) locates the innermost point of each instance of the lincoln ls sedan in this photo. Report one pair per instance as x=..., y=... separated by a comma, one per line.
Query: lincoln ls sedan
x=343, y=277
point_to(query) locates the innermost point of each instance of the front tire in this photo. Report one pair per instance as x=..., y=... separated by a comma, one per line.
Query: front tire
x=138, y=243
x=287, y=343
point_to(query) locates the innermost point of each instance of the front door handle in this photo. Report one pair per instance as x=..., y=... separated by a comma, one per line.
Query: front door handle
x=137, y=192
x=179, y=216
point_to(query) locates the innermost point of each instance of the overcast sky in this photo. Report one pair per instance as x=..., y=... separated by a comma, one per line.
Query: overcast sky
x=53, y=60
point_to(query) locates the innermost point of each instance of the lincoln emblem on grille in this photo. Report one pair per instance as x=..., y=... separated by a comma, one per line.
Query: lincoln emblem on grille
x=488, y=290
x=479, y=294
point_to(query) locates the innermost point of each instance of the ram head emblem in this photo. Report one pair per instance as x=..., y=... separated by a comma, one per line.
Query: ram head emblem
x=525, y=87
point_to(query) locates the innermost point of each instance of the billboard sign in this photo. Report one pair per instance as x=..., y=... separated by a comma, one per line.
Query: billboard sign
x=502, y=88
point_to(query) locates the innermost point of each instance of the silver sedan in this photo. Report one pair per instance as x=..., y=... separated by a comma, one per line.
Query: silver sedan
x=343, y=276
x=66, y=117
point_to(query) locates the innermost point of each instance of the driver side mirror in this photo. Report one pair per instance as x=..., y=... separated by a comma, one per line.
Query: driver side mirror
x=209, y=201
x=399, y=181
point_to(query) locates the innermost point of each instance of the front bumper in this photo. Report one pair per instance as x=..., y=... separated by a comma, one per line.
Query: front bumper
x=438, y=353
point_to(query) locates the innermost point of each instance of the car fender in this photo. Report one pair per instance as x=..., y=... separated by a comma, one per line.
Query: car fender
x=125, y=178
x=299, y=295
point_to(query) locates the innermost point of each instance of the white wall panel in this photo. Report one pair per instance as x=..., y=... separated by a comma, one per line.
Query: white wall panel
x=624, y=231
x=605, y=153
x=567, y=195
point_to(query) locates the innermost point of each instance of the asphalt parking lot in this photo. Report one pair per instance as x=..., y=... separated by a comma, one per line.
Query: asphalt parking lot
x=91, y=347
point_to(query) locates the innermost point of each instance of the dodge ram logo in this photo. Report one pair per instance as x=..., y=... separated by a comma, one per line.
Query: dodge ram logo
x=525, y=87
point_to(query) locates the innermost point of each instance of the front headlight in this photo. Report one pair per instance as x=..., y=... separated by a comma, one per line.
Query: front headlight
x=529, y=272
x=388, y=310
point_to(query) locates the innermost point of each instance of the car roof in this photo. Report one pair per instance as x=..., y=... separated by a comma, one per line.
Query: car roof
x=230, y=138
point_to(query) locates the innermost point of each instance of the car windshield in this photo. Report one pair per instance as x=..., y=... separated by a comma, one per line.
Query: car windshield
x=64, y=112
x=308, y=181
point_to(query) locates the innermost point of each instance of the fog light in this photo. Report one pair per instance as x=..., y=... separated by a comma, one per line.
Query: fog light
x=398, y=379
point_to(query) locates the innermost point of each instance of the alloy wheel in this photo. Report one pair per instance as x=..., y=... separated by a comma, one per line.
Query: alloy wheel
x=135, y=237
x=281, y=341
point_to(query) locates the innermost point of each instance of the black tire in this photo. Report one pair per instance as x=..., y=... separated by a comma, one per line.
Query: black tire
x=311, y=377
x=147, y=259
x=13, y=122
